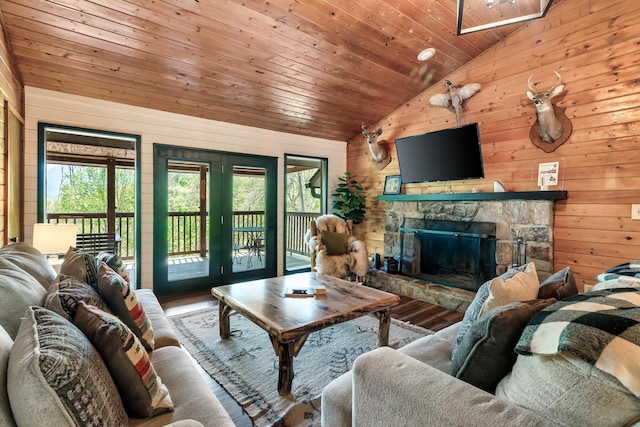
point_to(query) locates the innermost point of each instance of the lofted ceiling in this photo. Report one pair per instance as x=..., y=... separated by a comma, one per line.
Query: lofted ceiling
x=312, y=67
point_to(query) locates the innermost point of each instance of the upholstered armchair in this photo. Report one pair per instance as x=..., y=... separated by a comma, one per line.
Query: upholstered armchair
x=335, y=251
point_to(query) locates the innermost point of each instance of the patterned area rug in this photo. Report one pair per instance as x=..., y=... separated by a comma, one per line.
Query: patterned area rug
x=247, y=367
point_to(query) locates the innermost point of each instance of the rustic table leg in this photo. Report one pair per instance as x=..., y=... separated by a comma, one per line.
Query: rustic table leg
x=223, y=313
x=285, y=374
x=383, y=331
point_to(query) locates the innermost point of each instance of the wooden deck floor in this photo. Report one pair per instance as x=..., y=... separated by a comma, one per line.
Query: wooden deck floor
x=196, y=266
x=419, y=313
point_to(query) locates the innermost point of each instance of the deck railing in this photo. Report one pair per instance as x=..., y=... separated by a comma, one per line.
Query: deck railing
x=185, y=229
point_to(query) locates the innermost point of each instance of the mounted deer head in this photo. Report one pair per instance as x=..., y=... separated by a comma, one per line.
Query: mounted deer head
x=378, y=148
x=551, y=127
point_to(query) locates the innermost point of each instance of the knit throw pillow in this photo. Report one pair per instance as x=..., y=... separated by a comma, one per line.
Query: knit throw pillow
x=57, y=378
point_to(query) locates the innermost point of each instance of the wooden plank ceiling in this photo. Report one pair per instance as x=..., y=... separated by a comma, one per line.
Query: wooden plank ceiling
x=312, y=67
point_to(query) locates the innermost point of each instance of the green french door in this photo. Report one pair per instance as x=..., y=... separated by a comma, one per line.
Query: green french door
x=214, y=219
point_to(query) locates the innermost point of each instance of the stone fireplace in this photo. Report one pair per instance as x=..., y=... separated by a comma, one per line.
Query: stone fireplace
x=454, y=253
x=492, y=230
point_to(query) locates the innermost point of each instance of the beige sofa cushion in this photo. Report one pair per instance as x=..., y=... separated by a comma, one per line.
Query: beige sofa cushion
x=18, y=290
x=6, y=417
x=191, y=396
x=50, y=384
x=163, y=332
x=569, y=390
x=31, y=261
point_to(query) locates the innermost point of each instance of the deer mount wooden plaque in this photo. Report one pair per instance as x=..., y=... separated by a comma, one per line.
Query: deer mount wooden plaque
x=548, y=147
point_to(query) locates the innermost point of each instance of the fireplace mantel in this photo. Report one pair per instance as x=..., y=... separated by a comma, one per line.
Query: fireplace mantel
x=508, y=195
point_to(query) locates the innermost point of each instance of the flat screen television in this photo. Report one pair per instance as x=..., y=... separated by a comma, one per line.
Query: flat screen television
x=444, y=155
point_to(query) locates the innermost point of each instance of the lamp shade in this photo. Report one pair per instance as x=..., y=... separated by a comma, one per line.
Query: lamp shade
x=53, y=239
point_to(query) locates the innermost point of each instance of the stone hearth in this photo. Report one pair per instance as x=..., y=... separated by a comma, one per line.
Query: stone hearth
x=444, y=296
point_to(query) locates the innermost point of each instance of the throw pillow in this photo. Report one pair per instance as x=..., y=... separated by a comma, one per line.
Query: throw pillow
x=336, y=243
x=6, y=417
x=121, y=298
x=66, y=292
x=621, y=282
x=116, y=264
x=141, y=389
x=486, y=353
x=473, y=311
x=521, y=287
x=559, y=285
x=81, y=266
x=57, y=378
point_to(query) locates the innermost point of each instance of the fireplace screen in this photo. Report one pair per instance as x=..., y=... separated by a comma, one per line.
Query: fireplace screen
x=453, y=253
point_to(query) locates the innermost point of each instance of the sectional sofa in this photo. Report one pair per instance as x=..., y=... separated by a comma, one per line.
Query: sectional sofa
x=525, y=354
x=83, y=348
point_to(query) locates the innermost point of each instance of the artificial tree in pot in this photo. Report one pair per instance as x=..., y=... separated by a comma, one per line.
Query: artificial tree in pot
x=349, y=199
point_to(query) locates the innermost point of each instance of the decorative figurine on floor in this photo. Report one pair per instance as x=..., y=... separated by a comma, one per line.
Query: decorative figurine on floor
x=455, y=99
x=379, y=151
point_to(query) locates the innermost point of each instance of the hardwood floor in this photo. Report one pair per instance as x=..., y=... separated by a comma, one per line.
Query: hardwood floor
x=416, y=312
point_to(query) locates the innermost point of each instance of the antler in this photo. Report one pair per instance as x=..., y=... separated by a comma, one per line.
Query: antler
x=364, y=130
x=557, y=84
x=531, y=88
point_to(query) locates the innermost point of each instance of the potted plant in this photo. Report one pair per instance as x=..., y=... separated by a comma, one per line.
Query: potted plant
x=349, y=199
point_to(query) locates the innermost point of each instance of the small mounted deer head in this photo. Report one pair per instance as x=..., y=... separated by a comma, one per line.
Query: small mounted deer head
x=378, y=149
x=551, y=127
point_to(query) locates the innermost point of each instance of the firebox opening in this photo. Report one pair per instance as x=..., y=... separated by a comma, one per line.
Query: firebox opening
x=453, y=253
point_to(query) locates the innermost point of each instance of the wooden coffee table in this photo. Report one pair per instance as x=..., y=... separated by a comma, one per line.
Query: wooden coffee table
x=289, y=321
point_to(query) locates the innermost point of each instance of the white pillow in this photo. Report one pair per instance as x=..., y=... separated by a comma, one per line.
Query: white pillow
x=622, y=282
x=521, y=287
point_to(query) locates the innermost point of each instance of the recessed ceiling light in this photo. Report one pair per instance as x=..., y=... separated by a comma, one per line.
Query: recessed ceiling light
x=426, y=54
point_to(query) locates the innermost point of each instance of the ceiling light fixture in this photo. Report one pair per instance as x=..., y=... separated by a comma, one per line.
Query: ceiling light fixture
x=426, y=54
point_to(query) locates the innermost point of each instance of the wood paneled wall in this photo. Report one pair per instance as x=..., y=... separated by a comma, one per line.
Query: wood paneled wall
x=594, y=45
x=11, y=95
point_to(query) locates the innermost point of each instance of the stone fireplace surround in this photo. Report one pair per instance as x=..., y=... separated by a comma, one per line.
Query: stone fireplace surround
x=525, y=214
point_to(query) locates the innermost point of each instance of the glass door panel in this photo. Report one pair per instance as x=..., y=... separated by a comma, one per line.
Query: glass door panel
x=188, y=220
x=251, y=215
x=249, y=192
x=306, y=199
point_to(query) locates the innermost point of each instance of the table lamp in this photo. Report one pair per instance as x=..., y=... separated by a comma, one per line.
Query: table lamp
x=54, y=239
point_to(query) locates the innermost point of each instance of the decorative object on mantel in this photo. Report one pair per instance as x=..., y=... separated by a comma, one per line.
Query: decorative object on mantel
x=483, y=15
x=379, y=150
x=350, y=198
x=392, y=184
x=548, y=175
x=552, y=127
x=498, y=187
x=455, y=99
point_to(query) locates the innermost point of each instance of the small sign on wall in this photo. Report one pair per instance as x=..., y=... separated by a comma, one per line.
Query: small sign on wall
x=547, y=175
